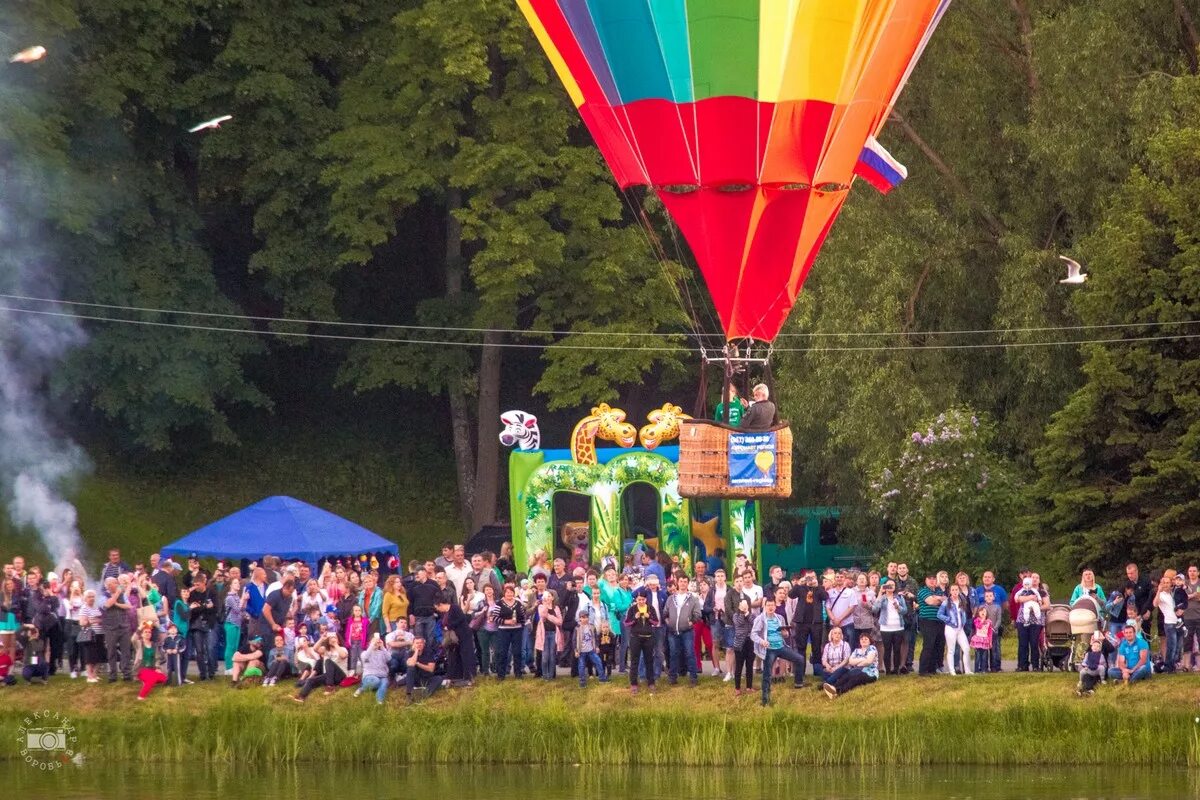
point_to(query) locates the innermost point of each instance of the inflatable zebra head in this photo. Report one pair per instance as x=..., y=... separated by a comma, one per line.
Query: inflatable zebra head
x=520, y=430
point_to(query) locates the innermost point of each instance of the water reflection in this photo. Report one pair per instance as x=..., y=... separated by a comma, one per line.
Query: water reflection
x=157, y=781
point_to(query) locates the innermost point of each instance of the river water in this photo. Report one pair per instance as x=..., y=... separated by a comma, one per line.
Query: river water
x=165, y=781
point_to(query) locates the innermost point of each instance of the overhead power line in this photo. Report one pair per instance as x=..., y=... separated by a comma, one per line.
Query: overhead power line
x=636, y=334
x=609, y=348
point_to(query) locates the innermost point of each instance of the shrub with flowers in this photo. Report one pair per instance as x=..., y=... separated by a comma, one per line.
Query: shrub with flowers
x=948, y=487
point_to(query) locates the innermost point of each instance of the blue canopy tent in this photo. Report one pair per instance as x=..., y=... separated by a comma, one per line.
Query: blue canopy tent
x=284, y=527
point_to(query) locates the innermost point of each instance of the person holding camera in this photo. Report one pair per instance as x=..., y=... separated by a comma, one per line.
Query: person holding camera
x=36, y=649
x=202, y=620
x=891, y=610
x=807, y=624
x=374, y=662
x=330, y=668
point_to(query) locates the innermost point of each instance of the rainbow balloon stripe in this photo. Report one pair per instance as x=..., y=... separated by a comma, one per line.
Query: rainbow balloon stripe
x=746, y=116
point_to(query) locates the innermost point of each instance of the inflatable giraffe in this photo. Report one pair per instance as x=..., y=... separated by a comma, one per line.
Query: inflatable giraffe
x=663, y=427
x=603, y=423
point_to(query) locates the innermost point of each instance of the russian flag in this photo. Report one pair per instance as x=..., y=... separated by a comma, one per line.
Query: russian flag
x=877, y=167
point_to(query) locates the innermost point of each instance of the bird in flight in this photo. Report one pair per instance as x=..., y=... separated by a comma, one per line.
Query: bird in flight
x=212, y=124
x=1075, y=273
x=28, y=55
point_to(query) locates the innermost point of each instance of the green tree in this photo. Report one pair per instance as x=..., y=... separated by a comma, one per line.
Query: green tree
x=1017, y=129
x=91, y=140
x=1119, y=475
x=457, y=110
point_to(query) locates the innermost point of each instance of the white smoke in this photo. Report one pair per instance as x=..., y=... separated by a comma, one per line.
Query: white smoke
x=37, y=462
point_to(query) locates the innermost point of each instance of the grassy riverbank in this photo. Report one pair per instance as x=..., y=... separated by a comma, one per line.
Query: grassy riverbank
x=1006, y=719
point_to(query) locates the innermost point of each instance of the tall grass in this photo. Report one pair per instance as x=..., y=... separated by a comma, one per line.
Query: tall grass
x=522, y=724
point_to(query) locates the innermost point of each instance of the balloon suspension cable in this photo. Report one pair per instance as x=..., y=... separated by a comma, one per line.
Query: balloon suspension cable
x=734, y=359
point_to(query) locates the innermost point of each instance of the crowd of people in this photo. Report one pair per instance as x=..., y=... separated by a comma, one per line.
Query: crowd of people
x=452, y=620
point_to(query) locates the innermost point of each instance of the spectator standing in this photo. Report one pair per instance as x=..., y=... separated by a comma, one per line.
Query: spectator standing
x=1165, y=602
x=1139, y=590
x=201, y=622
x=1191, y=619
x=587, y=648
x=91, y=635
x=840, y=606
x=117, y=630
x=421, y=597
x=234, y=615
x=930, y=598
x=807, y=625
x=458, y=568
x=509, y=617
x=1030, y=621
x=113, y=568
x=641, y=620
x=995, y=615
x=906, y=589
x=955, y=615
x=682, y=614
x=767, y=633
x=891, y=611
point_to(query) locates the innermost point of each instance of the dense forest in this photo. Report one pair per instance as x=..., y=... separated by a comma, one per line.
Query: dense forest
x=404, y=194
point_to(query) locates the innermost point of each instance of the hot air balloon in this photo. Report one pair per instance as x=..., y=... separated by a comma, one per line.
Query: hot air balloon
x=750, y=120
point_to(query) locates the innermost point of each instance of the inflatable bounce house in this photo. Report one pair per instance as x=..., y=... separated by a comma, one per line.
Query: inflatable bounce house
x=604, y=502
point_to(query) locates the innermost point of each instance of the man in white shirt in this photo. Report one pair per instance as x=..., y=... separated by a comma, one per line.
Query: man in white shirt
x=458, y=569
x=751, y=589
x=840, y=606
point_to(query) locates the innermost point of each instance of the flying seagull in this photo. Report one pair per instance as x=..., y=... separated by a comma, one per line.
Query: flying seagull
x=28, y=55
x=212, y=124
x=1075, y=273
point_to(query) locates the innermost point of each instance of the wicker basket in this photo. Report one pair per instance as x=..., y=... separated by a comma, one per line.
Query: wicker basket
x=704, y=462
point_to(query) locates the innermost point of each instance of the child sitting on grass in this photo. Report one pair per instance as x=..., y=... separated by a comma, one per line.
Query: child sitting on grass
x=248, y=664
x=279, y=662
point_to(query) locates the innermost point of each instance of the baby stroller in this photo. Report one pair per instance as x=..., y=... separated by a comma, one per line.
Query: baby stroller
x=1057, y=652
x=1086, y=616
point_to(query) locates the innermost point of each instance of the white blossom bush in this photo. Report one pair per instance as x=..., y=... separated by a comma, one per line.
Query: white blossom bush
x=947, y=490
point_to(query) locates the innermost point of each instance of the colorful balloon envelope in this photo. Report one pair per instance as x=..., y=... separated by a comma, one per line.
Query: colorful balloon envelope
x=749, y=118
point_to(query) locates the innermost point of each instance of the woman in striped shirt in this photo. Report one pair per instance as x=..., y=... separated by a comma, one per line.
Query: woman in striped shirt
x=835, y=653
x=92, y=632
